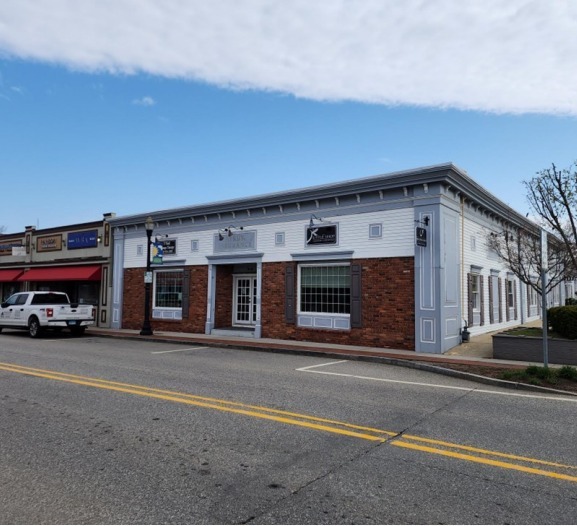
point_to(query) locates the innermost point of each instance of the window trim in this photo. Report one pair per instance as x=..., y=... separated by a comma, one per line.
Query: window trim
x=476, y=294
x=376, y=231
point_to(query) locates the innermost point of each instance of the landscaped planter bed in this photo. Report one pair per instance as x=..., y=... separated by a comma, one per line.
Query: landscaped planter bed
x=530, y=349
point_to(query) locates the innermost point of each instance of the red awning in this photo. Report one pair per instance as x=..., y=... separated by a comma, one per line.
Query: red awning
x=79, y=273
x=10, y=275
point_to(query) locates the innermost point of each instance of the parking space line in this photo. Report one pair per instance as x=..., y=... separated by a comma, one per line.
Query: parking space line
x=180, y=350
x=320, y=365
x=567, y=398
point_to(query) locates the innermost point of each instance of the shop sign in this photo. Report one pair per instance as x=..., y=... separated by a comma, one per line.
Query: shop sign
x=169, y=247
x=7, y=247
x=87, y=239
x=237, y=242
x=421, y=237
x=321, y=235
x=49, y=243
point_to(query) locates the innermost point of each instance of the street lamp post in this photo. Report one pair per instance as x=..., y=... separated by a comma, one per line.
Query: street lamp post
x=146, y=328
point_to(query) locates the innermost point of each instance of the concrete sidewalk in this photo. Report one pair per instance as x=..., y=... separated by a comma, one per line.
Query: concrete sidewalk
x=478, y=351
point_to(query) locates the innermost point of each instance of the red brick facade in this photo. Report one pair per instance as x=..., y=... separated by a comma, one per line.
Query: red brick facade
x=223, y=303
x=388, y=299
x=133, y=302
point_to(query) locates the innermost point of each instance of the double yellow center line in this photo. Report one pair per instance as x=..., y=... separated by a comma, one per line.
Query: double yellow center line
x=421, y=444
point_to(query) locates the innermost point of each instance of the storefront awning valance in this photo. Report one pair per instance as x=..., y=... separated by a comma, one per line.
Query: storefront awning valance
x=78, y=273
x=10, y=275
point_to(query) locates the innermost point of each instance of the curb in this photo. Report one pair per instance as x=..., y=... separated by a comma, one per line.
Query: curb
x=350, y=355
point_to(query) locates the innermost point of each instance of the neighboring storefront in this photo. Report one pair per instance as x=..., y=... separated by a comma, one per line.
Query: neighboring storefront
x=75, y=259
x=397, y=260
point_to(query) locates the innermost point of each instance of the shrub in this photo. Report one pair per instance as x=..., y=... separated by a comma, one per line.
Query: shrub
x=563, y=320
x=571, y=301
x=568, y=372
x=543, y=373
x=537, y=375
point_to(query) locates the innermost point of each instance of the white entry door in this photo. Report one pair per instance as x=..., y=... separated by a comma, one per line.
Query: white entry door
x=244, y=300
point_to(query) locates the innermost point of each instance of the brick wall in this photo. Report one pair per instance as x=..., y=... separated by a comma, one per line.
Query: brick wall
x=133, y=302
x=223, y=298
x=388, y=315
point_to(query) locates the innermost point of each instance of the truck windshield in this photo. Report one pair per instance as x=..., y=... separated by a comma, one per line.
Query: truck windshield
x=50, y=299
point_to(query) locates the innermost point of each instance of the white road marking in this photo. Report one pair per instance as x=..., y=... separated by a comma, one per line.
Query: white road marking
x=320, y=365
x=422, y=384
x=180, y=350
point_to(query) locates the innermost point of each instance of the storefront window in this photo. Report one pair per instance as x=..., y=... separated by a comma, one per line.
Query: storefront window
x=168, y=289
x=325, y=289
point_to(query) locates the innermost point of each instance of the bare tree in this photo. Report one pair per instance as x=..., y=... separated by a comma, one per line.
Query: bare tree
x=520, y=250
x=552, y=195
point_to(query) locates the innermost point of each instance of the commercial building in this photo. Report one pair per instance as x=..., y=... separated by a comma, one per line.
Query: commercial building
x=74, y=259
x=397, y=260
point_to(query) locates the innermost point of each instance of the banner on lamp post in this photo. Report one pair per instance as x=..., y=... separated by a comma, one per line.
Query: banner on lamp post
x=157, y=253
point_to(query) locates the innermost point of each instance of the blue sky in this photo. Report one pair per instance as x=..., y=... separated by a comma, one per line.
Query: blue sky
x=134, y=121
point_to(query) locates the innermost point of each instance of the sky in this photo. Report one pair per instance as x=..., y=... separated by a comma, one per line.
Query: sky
x=131, y=106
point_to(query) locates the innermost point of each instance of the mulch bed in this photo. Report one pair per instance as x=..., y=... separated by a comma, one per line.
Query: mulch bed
x=497, y=372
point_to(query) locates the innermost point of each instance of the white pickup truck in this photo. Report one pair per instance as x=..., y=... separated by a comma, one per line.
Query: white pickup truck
x=37, y=311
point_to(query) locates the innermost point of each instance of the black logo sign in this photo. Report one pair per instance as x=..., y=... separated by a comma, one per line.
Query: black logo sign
x=421, y=237
x=322, y=235
x=169, y=247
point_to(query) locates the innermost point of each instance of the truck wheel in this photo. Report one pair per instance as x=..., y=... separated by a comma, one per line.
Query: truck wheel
x=77, y=331
x=34, y=328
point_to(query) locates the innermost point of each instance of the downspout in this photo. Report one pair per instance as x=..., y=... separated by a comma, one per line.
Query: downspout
x=465, y=330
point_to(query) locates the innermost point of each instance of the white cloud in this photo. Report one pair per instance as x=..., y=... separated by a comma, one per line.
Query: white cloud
x=492, y=55
x=144, y=101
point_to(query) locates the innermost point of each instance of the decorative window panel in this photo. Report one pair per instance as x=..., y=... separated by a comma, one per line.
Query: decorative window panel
x=375, y=231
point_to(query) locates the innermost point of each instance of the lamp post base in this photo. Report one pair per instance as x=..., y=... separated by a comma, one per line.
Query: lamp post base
x=146, y=331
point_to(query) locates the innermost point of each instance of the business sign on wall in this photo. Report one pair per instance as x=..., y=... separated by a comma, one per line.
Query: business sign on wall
x=237, y=242
x=87, y=239
x=169, y=247
x=6, y=248
x=322, y=235
x=49, y=243
x=421, y=237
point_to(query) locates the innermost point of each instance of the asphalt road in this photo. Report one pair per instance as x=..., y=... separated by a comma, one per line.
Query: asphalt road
x=107, y=431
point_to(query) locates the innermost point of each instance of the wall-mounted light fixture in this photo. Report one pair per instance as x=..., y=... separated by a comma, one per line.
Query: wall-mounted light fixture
x=424, y=221
x=228, y=231
x=313, y=217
